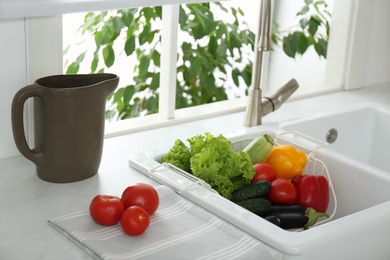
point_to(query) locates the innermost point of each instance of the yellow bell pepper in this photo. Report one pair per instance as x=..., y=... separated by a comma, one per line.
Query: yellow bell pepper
x=287, y=161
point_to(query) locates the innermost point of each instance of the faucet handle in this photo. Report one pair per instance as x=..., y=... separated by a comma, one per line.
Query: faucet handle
x=276, y=99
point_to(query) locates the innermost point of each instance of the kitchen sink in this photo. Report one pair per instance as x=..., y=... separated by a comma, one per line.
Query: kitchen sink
x=358, y=229
x=361, y=132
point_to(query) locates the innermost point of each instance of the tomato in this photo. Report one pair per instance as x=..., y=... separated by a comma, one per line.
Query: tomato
x=264, y=171
x=282, y=191
x=106, y=209
x=135, y=220
x=143, y=195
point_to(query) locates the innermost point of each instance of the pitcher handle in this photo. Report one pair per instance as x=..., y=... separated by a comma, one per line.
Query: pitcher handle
x=17, y=117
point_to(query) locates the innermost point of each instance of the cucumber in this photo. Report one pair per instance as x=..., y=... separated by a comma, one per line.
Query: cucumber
x=258, y=206
x=259, y=148
x=251, y=191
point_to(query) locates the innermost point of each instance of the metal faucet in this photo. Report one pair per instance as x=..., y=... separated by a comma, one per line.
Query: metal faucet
x=258, y=106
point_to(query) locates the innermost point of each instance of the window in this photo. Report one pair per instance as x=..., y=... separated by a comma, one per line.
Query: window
x=167, y=108
x=214, y=48
x=308, y=69
x=168, y=111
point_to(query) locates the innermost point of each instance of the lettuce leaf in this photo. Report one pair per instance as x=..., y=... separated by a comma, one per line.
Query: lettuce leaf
x=212, y=159
x=179, y=155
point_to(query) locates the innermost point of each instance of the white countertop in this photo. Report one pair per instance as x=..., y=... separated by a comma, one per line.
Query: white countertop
x=28, y=202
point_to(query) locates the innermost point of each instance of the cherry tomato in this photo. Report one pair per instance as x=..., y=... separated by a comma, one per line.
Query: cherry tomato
x=106, y=209
x=143, y=195
x=135, y=220
x=264, y=171
x=282, y=191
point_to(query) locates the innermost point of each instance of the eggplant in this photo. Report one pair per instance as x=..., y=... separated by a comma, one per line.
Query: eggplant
x=273, y=219
x=295, y=216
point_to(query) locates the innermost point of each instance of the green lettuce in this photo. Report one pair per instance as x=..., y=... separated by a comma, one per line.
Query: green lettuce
x=179, y=155
x=212, y=159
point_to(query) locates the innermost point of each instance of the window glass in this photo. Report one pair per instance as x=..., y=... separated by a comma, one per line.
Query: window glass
x=301, y=26
x=125, y=42
x=215, y=52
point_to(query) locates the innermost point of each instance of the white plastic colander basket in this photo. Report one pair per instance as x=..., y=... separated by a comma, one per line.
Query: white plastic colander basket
x=314, y=166
x=302, y=142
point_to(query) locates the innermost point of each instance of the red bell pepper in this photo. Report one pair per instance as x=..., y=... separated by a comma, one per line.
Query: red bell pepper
x=312, y=191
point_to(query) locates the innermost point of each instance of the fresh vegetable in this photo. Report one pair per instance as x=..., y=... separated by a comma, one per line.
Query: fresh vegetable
x=282, y=191
x=295, y=216
x=273, y=219
x=251, y=191
x=179, y=155
x=135, y=220
x=287, y=161
x=259, y=148
x=264, y=171
x=312, y=191
x=143, y=195
x=258, y=206
x=106, y=209
x=133, y=210
x=213, y=160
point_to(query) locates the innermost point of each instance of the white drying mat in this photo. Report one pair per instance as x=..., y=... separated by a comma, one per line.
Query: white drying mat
x=178, y=230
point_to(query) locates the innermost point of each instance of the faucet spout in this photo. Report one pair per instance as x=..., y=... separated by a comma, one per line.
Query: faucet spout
x=264, y=42
x=258, y=106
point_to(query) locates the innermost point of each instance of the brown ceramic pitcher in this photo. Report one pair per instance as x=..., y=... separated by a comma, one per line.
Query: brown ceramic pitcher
x=68, y=124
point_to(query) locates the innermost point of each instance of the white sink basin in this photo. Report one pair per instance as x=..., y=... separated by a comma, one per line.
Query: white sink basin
x=363, y=132
x=358, y=230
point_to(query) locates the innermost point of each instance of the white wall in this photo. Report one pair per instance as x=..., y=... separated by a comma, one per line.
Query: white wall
x=12, y=77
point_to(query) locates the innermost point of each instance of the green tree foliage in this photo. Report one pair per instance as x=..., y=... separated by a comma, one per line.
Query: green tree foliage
x=312, y=30
x=211, y=52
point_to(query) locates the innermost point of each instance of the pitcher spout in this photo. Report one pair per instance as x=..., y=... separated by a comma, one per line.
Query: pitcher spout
x=111, y=82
